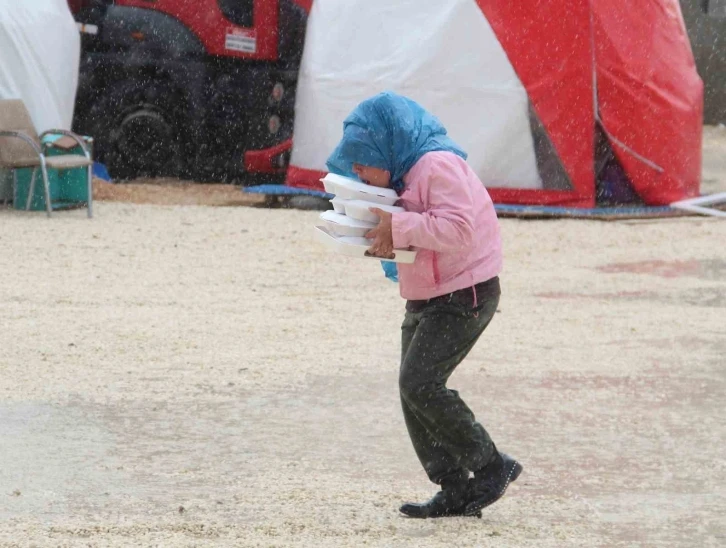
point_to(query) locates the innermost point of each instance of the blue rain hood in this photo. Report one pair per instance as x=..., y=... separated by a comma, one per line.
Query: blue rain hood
x=390, y=132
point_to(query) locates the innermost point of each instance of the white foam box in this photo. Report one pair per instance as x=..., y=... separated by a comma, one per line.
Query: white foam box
x=342, y=225
x=338, y=205
x=353, y=246
x=360, y=210
x=350, y=189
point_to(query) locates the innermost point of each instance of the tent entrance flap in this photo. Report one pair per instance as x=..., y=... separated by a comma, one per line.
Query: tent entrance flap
x=553, y=174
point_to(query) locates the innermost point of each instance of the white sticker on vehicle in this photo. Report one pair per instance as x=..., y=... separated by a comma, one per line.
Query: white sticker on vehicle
x=243, y=41
x=87, y=29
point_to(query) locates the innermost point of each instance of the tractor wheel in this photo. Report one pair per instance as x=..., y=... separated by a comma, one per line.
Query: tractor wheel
x=135, y=131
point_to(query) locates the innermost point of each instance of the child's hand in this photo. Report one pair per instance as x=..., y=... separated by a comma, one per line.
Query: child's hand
x=382, y=235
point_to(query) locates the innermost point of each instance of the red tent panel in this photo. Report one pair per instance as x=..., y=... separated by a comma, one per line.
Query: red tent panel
x=649, y=95
x=549, y=45
x=309, y=179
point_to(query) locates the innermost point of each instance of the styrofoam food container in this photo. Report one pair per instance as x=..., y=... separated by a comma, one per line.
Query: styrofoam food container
x=359, y=209
x=338, y=205
x=354, y=246
x=342, y=225
x=350, y=189
x=330, y=183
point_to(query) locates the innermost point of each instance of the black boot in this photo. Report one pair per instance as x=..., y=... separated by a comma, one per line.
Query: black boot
x=450, y=501
x=490, y=483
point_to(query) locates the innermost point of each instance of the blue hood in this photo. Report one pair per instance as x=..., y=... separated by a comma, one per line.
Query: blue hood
x=390, y=132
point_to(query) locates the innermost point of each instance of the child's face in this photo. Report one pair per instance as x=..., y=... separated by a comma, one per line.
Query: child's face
x=373, y=175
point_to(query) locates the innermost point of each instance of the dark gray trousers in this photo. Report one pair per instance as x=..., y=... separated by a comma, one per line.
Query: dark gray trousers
x=436, y=336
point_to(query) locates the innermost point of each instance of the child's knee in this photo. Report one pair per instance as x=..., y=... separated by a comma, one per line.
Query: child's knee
x=414, y=389
x=407, y=384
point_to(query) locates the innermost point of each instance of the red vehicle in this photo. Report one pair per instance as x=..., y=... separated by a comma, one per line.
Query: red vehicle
x=186, y=87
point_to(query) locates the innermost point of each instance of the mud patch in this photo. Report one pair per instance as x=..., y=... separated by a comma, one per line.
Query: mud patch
x=713, y=269
x=709, y=297
x=598, y=296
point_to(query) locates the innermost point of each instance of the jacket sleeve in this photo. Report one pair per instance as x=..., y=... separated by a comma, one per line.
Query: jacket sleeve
x=447, y=223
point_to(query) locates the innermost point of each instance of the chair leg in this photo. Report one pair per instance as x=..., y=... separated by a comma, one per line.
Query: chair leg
x=90, y=191
x=15, y=186
x=29, y=201
x=46, y=188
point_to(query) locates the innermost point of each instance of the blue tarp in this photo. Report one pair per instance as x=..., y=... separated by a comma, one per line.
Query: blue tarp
x=282, y=190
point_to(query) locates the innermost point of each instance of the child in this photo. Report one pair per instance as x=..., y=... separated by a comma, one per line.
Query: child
x=452, y=289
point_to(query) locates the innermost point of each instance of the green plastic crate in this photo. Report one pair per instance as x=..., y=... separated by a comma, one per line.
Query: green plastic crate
x=68, y=187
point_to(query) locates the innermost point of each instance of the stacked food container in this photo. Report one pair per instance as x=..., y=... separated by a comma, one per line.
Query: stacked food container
x=343, y=230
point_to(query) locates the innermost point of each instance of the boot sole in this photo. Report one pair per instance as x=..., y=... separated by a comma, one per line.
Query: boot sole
x=474, y=508
x=461, y=514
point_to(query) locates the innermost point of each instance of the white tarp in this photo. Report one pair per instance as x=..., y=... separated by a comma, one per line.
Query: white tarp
x=39, y=58
x=444, y=55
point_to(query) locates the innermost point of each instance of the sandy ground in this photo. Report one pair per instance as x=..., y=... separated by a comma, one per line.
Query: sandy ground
x=205, y=376
x=174, y=192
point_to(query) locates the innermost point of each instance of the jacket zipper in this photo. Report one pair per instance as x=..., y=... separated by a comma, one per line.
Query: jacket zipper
x=435, y=265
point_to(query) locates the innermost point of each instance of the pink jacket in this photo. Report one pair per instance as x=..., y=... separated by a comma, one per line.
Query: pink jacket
x=450, y=220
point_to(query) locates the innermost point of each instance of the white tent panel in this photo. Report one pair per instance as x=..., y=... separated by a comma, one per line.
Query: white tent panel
x=39, y=58
x=444, y=55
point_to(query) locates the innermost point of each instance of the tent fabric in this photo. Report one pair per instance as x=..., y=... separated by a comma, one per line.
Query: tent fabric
x=39, y=59
x=549, y=46
x=650, y=96
x=421, y=49
x=496, y=73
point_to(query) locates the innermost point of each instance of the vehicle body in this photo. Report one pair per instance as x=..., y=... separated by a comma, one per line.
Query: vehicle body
x=185, y=87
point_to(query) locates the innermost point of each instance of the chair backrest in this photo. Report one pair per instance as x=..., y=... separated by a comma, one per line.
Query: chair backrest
x=15, y=117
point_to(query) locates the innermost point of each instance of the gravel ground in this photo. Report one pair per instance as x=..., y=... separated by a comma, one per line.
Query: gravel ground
x=204, y=376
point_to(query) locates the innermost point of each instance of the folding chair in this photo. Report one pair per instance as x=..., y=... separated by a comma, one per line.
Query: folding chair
x=21, y=147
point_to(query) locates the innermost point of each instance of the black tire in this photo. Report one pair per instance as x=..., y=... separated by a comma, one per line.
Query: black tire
x=135, y=130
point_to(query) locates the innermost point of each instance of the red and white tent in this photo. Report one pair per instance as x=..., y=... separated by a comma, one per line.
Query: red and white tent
x=533, y=90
